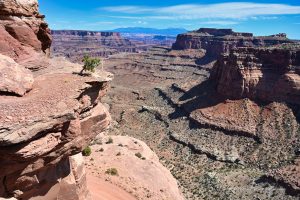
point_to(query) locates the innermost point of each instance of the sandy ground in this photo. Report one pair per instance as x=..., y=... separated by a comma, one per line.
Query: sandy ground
x=103, y=190
x=139, y=177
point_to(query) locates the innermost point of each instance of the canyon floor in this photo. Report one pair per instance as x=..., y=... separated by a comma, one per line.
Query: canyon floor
x=165, y=99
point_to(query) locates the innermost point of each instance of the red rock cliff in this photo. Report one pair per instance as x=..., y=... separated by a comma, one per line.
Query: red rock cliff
x=270, y=74
x=219, y=41
x=23, y=30
x=74, y=44
x=47, y=116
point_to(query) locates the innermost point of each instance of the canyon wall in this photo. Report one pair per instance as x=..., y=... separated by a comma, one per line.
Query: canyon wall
x=219, y=41
x=23, y=31
x=47, y=115
x=74, y=44
x=268, y=74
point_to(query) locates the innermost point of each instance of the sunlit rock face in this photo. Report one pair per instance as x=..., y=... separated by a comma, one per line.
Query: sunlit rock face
x=24, y=35
x=74, y=44
x=219, y=41
x=47, y=115
x=14, y=78
x=269, y=74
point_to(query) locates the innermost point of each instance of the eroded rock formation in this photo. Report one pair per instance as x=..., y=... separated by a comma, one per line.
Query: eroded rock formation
x=269, y=74
x=39, y=131
x=14, y=79
x=23, y=31
x=74, y=44
x=217, y=148
x=219, y=41
x=46, y=115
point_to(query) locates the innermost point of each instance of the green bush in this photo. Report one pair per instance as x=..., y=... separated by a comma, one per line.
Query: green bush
x=110, y=141
x=112, y=171
x=139, y=155
x=90, y=63
x=87, y=151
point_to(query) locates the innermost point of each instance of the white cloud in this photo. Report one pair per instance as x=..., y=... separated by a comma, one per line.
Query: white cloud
x=141, y=22
x=220, y=22
x=233, y=10
x=99, y=23
x=127, y=9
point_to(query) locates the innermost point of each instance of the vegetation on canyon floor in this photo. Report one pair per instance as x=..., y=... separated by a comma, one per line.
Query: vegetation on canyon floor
x=87, y=151
x=112, y=171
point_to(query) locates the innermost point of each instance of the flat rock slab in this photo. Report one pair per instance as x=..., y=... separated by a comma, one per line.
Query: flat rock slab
x=53, y=100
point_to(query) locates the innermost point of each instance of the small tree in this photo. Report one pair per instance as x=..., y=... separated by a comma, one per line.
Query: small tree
x=90, y=63
x=87, y=151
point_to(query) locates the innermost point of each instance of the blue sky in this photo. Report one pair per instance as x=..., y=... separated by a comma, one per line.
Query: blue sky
x=260, y=17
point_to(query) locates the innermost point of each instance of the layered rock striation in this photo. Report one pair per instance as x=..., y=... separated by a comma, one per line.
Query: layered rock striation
x=47, y=115
x=39, y=131
x=74, y=44
x=268, y=74
x=14, y=79
x=220, y=41
x=23, y=31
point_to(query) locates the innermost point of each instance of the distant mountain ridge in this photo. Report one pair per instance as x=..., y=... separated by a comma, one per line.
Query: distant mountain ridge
x=141, y=30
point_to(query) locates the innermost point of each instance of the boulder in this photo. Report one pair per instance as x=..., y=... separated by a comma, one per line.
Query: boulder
x=23, y=31
x=14, y=78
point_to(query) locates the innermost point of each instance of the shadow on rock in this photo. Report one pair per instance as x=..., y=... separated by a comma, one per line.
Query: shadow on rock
x=200, y=96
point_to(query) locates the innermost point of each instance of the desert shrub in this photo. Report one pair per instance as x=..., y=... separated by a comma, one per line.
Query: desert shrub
x=87, y=151
x=112, y=171
x=118, y=154
x=139, y=155
x=90, y=63
x=110, y=141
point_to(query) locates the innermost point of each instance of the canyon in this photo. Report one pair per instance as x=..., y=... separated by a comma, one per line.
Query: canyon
x=75, y=44
x=50, y=112
x=215, y=116
x=226, y=123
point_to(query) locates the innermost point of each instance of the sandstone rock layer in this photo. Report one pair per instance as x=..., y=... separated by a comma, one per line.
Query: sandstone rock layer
x=219, y=41
x=14, y=79
x=74, y=44
x=23, y=31
x=269, y=74
x=56, y=119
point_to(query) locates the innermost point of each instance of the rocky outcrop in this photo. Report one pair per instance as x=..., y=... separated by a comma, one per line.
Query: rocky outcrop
x=74, y=44
x=220, y=41
x=47, y=115
x=14, y=79
x=23, y=31
x=147, y=178
x=73, y=186
x=42, y=129
x=269, y=74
